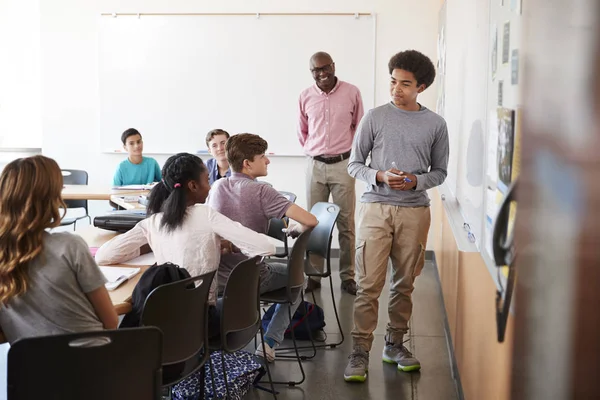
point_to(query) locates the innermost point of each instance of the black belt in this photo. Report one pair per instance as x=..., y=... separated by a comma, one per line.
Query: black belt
x=333, y=159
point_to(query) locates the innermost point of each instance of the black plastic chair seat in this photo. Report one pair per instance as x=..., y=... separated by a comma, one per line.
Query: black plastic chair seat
x=279, y=296
x=172, y=372
x=309, y=270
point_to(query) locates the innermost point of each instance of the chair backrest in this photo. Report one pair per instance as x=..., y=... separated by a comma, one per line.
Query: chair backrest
x=296, y=264
x=320, y=238
x=119, y=364
x=180, y=311
x=75, y=177
x=288, y=195
x=240, y=315
x=276, y=227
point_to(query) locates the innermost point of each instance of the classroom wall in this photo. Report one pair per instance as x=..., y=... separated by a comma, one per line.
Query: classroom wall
x=469, y=299
x=70, y=73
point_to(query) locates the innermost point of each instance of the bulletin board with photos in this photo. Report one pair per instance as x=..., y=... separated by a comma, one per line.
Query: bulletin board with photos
x=504, y=113
x=478, y=96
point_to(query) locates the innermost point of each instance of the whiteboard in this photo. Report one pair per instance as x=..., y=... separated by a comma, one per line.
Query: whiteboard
x=175, y=77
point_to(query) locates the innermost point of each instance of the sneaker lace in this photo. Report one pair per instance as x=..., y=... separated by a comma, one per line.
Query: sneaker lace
x=405, y=351
x=357, y=359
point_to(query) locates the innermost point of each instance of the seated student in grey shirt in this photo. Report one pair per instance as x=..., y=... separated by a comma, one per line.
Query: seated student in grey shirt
x=49, y=282
x=252, y=203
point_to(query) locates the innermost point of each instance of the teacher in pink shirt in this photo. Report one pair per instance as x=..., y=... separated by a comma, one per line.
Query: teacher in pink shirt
x=328, y=115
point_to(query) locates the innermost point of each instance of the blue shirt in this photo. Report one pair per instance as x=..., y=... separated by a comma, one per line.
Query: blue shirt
x=143, y=173
x=213, y=171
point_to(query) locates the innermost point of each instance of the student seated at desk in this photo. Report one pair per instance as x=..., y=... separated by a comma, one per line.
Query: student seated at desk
x=218, y=166
x=49, y=282
x=252, y=203
x=136, y=169
x=183, y=232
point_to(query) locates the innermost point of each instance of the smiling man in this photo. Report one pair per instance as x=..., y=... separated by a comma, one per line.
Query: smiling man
x=408, y=146
x=329, y=113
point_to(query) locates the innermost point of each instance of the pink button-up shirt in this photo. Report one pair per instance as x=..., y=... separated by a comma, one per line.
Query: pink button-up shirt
x=328, y=121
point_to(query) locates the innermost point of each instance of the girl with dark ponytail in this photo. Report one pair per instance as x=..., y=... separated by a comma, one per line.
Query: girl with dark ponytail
x=182, y=230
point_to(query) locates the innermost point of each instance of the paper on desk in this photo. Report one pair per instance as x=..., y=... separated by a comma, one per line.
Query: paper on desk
x=134, y=187
x=144, y=259
x=117, y=275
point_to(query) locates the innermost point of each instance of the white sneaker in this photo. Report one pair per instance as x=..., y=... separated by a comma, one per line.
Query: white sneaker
x=270, y=352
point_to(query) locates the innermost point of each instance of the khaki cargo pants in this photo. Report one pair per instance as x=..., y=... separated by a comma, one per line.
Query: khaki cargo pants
x=323, y=180
x=387, y=232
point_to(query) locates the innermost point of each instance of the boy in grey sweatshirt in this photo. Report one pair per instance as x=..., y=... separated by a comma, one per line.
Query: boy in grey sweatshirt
x=408, y=146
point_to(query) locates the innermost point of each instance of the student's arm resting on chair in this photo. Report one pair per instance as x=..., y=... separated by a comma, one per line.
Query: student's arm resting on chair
x=248, y=241
x=123, y=247
x=304, y=218
x=105, y=310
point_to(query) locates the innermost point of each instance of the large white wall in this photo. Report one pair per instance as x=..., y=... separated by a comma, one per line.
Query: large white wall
x=70, y=70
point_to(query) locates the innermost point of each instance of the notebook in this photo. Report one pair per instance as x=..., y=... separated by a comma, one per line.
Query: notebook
x=117, y=275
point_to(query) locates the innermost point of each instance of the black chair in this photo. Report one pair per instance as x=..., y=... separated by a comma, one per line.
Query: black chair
x=180, y=311
x=276, y=227
x=240, y=314
x=320, y=245
x=117, y=364
x=293, y=289
x=75, y=177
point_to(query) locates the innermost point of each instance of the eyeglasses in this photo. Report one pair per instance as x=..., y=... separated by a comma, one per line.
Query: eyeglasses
x=327, y=69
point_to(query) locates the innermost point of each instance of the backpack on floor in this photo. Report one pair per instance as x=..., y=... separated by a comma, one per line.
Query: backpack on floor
x=243, y=369
x=314, y=314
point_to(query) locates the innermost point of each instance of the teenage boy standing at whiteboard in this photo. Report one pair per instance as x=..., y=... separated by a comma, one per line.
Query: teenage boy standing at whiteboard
x=408, y=145
x=328, y=114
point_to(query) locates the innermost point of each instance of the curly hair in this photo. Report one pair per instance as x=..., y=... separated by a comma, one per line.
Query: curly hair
x=244, y=146
x=169, y=196
x=417, y=63
x=30, y=203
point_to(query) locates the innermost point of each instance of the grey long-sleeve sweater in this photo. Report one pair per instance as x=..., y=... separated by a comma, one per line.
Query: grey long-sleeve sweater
x=416, y=140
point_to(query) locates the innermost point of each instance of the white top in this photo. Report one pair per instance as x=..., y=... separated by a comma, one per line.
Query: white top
x=195, y=245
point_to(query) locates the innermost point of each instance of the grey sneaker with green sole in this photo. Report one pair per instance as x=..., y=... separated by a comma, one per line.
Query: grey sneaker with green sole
x=400, y=355
x=358, y=365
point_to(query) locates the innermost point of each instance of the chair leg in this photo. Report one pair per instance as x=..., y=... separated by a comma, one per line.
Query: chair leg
x=212, y=376
x=224, y=374
x=337, y=317
x=312, y=342
x=273, y=391
x=297, y=357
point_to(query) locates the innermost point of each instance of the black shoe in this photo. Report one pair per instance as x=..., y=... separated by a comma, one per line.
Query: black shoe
x=312, y=285
x=349, y=286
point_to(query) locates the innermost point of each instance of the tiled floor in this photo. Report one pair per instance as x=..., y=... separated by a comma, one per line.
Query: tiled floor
x=324, y=374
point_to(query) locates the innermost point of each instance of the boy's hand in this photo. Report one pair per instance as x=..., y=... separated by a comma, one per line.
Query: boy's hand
x=410, y=181
x=392, y=177
x=294, y=230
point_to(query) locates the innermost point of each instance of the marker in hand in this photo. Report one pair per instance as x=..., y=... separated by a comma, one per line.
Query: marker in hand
x=396, y=167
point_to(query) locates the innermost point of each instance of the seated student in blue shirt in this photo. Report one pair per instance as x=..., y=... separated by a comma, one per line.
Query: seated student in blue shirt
x=136, y=169
x=218, y=166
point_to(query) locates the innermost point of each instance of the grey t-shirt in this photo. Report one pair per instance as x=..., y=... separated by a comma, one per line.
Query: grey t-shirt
x=55, y=300
x=417, y=141
x=249, y=202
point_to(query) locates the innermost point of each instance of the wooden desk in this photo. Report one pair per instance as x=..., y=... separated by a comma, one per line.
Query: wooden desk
x=98, y=192
x=121, y=296
x=118, y=200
